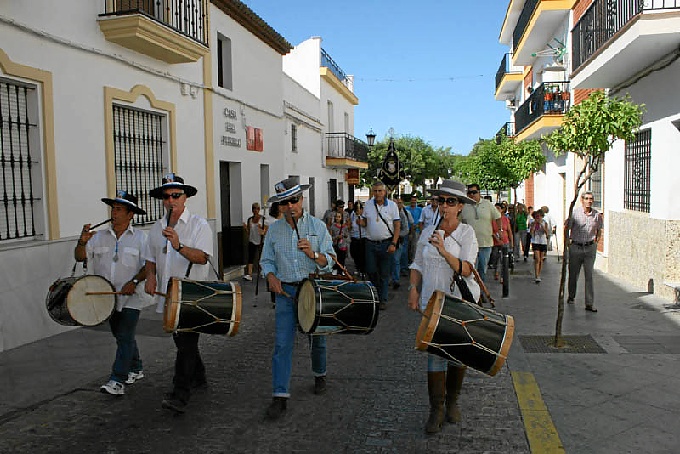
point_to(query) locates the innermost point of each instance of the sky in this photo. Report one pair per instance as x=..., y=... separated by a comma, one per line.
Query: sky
x=424, y=68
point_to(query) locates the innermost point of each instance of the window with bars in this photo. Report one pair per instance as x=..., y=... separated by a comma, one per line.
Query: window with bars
x=20, y=170
x=637, y=190
x=596, y=186
x=140, y=162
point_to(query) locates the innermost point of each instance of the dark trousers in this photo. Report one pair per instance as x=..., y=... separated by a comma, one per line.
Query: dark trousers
x=189, y=368
x=357, y=249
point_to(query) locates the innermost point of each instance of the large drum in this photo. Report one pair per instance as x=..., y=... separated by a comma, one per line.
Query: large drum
x=202, y=307
x=465, y=333
x=337, y=306
x=81, y=301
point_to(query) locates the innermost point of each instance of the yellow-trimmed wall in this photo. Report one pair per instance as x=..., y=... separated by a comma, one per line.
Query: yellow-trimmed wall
x=44, y=78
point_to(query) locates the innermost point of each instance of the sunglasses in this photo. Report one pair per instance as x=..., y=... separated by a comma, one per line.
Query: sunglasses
x=174, y=195
x=450, y=201
x=292, y=201
x=473, y=191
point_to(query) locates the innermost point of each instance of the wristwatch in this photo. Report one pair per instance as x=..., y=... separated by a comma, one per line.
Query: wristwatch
x=316, y=256
x=179, y=248
x=135, y=281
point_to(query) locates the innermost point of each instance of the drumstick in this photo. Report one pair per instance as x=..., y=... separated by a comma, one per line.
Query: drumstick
x=292, y=218
x=164, y=295
x=103, y=293
x=167, y=222
x=101, y=223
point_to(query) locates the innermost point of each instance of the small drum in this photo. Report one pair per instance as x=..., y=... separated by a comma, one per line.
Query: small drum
x=202, y=307
x=337, y=306
x=81, y=301
x=466, y=333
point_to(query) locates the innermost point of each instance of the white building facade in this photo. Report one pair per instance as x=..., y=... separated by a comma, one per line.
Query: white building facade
x=99, y=96
x=560, y=52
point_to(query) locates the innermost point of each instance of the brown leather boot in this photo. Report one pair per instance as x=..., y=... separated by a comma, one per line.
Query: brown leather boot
x=436, y=389
x=454, y=383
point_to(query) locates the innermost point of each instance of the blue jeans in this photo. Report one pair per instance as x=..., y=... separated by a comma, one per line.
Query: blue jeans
x=282, y=358
x=123, y=325
x=483, y=261
x=378, y=265
x=400, y=259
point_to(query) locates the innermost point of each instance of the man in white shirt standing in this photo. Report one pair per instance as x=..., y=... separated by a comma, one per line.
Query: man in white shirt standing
x=116, y=254
x=382, y=222
x=179, y=247
x=430, y=214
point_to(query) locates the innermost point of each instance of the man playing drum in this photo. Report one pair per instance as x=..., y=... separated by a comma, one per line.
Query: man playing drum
x=294, y=247
x=179, y=246
x=116, y=254
x=443, y=248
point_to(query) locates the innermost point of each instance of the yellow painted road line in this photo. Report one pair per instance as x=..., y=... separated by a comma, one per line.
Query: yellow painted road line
x=541, y=432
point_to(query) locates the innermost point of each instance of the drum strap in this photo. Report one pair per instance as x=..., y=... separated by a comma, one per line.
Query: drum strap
x=75, y=265
x=186, y=275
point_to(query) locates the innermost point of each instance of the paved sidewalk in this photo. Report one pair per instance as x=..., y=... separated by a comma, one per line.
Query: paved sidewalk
x=622, y=400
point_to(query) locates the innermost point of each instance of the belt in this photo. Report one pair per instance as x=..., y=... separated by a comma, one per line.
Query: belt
x=293, y=284
x=380, y=241
x=587, y=243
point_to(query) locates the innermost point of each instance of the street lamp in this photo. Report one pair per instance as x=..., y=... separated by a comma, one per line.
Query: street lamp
x=370, y=137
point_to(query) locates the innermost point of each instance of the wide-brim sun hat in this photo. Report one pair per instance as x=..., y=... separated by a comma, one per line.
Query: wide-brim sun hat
x=172, y=181
x=288, y=188
x=454, y=188
x=127, y=199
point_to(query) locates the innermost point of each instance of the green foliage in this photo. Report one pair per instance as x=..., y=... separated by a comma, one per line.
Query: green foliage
x=500, y=166
x=590, y=128
x=419, y=159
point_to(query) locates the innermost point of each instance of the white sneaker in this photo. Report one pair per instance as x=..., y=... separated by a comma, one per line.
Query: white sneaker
x=134, y=376
x=247, y=277
x=113, y=388
x=538, y=279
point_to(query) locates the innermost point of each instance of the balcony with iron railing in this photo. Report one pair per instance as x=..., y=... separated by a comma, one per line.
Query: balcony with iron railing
x=508, y=78
x=606, y=20
x=336, y=77
x=174, y=31
x=523, y=22
x=343, y=150
x=507, y=130
x=550, y=99
x=539, y=23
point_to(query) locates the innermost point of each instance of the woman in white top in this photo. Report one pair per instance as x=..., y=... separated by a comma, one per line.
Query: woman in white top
x=437, y=256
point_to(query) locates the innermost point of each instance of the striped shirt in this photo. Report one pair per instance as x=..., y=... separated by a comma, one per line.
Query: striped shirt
x=281, y=255
x=584, y=227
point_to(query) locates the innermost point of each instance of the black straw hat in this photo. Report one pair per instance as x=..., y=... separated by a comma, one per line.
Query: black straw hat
x=127, y=199
x=290, y=187
x=173, y=181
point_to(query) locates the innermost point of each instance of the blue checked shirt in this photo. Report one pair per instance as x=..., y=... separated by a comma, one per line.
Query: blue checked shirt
x=281, y=255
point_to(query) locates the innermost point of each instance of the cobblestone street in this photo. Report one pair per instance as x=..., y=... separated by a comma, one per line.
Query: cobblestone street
x=376, y=399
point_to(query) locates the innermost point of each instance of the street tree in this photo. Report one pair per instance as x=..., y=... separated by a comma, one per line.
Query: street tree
x=589, y=130
x=501, y=164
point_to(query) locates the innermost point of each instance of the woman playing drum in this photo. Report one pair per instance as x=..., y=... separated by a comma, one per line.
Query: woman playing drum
x=442, y=249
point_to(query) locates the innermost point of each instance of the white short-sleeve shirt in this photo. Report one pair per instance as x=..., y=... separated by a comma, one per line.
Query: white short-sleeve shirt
x=119, y=260
x=376, y=229
x=194, y=232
